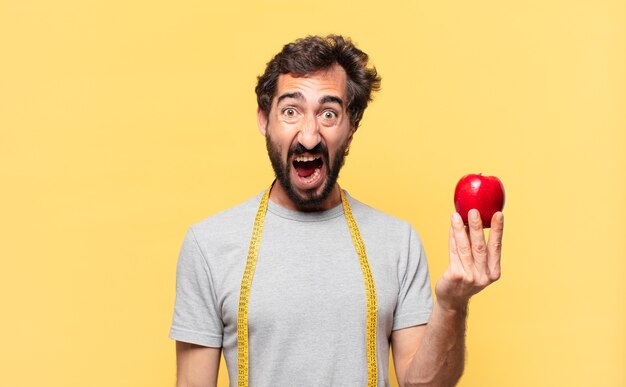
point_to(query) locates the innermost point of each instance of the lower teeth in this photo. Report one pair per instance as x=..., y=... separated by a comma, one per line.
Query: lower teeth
x=313, y=176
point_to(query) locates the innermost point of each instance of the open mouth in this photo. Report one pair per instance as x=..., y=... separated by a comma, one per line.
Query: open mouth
x=308, y=168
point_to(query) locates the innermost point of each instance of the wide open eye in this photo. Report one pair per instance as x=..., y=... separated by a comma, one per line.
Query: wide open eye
x=290, y=112
x=290, y=115
x=329, y=116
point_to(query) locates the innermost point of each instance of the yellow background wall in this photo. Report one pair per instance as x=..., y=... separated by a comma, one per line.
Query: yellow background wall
x=122, y=123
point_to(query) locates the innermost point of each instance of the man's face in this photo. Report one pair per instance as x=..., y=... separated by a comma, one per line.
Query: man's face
x=307, y=132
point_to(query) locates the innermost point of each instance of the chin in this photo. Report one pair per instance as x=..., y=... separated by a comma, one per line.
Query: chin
x=310, y=199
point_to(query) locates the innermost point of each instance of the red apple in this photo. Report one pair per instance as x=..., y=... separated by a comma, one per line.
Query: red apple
x=484, y=193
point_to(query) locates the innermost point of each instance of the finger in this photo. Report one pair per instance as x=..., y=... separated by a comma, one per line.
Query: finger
x=477, y=241
x=494, y=245
x=461, y=240
x=455, y=260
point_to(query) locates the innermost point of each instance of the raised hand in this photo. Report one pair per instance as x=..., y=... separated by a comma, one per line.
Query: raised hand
x=474, y=263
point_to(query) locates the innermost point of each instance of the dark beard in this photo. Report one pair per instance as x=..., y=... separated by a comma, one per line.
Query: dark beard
x=282, y=169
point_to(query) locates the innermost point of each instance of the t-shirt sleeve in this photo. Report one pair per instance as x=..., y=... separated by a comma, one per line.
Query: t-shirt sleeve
x=415, y=300
x=196, y=314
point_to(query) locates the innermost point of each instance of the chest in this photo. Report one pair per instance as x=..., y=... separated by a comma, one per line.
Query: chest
x=309, y=276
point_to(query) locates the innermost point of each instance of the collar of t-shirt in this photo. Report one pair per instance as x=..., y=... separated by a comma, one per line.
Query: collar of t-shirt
x=315, y=216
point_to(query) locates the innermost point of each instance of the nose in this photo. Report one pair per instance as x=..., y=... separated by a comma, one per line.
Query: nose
x=309, y=135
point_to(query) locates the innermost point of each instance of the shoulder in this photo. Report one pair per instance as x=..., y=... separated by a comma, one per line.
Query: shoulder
x=227, y=224
x=388, y=226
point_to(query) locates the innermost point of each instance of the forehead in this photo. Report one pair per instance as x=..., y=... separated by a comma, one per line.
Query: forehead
x=330, y=81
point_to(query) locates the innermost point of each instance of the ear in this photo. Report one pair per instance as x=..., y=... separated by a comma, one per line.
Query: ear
x=351, y=135
x=261, y=121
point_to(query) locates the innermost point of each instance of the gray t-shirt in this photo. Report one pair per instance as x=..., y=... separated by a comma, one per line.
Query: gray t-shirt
x=307, y=301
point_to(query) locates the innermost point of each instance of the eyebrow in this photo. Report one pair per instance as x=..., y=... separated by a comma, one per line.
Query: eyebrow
x=300, y=96
x=331, y=98
x=295, y=95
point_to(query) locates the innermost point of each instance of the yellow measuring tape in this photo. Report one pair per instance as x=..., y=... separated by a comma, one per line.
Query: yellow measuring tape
x=246, y=283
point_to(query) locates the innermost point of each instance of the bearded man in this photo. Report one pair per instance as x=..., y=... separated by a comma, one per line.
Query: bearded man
x=304, y=285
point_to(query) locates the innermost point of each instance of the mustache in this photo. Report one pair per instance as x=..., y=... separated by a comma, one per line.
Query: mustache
x=299, y=149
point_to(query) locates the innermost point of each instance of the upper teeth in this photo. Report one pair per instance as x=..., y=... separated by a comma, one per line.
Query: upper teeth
x=306, y=158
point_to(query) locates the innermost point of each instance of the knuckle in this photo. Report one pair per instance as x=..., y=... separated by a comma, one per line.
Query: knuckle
x=483, y=281
x=475, y=224
x=464, y=250
x=480, y=248
x=495, y=274
x=457, y=276
x=496, y=247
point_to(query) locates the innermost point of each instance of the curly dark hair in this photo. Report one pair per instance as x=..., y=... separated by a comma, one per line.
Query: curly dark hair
x=313, y=53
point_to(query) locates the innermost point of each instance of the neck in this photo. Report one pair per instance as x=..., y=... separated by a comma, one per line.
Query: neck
x=279, y=195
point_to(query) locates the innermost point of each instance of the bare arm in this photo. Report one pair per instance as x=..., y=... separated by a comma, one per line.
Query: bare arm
x=197, y=366
x=434, y=355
